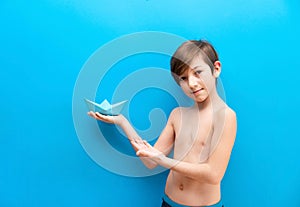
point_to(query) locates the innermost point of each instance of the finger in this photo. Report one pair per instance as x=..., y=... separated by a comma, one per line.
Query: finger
x=98, y=114
x=143, y=144
x=90, y=113
x=139, y=145
x=141, y=153
x=136, y=144
x=138, y=141
x=103, y=117
x=147, y=144
x=133, y=142
x=135, y=148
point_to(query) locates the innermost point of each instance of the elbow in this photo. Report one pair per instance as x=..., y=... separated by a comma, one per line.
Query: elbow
x=151, y=165
x=148, y=163
x=215, y=178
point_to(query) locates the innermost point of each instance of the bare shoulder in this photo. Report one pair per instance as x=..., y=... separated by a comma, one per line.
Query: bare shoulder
x=225, y=122
x=230, y=115
x=225, y=113
x=177, y=112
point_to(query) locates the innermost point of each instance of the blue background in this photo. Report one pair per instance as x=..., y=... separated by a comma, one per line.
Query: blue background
x=45, y=43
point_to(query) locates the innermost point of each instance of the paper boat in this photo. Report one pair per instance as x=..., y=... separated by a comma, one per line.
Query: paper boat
x=105, y=107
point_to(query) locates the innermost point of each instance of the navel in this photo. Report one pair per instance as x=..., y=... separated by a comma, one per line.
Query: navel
x=181, y=187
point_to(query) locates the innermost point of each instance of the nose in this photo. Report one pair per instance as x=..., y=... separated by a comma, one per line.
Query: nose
x=192, y=82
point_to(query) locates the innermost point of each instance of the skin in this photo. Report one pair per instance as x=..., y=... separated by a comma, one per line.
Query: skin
x=202, y=137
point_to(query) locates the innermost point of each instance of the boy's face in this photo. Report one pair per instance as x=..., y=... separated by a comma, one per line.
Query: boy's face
x=198, y=81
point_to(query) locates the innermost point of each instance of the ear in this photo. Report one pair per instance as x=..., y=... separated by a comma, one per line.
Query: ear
x=217, y=69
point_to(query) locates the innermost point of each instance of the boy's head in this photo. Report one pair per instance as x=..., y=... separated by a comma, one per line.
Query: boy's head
x=187, y=52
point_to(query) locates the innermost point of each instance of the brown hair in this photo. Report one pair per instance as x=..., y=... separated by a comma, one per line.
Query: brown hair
x=186, y=53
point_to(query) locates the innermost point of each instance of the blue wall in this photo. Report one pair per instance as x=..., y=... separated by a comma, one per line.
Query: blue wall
x=44, y=45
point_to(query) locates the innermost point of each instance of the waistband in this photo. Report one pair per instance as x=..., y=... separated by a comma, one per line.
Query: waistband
x=174, y=204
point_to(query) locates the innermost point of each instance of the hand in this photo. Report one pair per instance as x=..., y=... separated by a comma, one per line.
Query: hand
x=144, y=149
x=106, y=118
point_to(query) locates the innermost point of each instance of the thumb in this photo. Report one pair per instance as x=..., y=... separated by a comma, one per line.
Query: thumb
x=141, y=153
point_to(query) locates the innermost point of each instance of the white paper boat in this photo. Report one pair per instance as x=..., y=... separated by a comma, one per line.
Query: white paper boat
x=105, y=107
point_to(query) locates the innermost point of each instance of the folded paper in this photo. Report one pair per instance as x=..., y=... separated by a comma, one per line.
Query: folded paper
x=105, y=107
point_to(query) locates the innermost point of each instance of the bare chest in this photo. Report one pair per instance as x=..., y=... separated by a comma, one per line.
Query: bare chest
x=192, y=138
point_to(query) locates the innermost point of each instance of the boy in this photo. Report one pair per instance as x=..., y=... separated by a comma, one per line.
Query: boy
x=202, y=136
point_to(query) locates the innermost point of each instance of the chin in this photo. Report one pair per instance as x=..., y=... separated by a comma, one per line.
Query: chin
x=200, y=100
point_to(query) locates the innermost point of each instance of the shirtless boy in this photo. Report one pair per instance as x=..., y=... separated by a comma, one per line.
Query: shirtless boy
x=202, y=136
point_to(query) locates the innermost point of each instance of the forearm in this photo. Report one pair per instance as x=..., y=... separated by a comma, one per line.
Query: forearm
x=133, y=136
x=130, y=132
x=201, y=172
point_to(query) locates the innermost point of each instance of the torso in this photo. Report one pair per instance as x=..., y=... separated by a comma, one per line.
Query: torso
x=192, y=144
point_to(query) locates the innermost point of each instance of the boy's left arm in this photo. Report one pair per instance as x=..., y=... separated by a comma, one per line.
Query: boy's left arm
x=211, y=171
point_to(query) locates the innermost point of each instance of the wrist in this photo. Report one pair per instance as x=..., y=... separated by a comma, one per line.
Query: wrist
x=159, y=158
x=121, y=120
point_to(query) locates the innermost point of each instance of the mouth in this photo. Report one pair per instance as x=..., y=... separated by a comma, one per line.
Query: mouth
x=197, y=91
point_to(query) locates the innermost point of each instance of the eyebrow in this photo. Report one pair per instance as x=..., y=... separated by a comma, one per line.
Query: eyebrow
x=198, y=66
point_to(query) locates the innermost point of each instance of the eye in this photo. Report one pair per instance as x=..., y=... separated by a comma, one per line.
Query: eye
x=182, y=78
x=198, y=72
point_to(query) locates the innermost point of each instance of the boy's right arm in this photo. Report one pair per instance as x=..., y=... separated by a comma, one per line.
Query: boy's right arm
x=118, y=120
x=163, y=144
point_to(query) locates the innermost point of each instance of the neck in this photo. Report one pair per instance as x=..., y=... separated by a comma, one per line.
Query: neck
x=213, y=101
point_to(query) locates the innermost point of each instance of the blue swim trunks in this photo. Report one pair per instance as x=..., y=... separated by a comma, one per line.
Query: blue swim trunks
x=167, y=202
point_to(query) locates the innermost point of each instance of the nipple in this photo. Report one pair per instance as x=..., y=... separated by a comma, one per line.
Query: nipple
x=180, y=187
